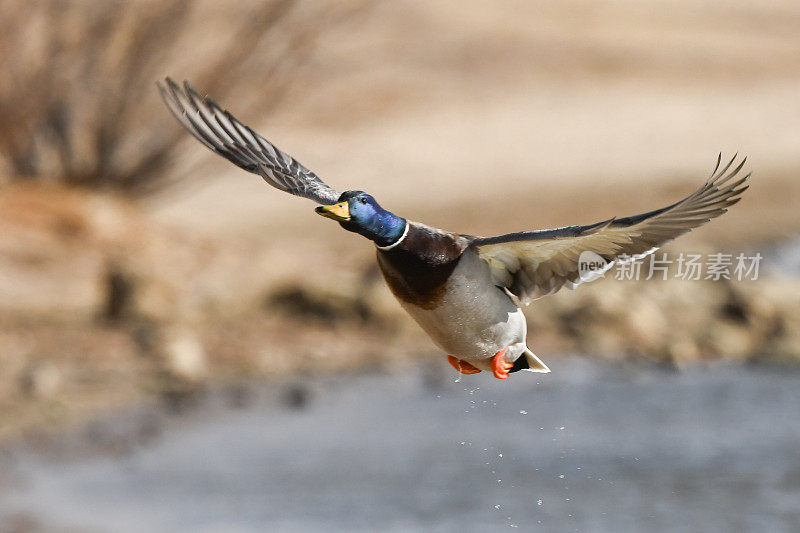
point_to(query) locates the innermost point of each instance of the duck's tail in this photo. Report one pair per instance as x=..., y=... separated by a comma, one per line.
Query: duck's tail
x=528, y=361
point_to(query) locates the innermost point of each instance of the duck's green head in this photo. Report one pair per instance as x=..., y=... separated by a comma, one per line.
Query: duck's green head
x=358, y=212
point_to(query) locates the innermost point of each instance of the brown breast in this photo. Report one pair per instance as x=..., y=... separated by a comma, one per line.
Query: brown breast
x=417, y=269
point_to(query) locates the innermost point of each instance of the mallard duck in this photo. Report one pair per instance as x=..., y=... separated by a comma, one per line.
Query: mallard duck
x=466, y=292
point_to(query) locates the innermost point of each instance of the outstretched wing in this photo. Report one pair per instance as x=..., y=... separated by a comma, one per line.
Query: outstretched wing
x=532, y=264
x=224, y=134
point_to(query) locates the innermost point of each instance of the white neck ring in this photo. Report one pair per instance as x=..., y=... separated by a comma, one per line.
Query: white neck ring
x=398, y=241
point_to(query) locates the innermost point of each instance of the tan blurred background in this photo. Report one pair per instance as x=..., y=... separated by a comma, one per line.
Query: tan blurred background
x=134, y=263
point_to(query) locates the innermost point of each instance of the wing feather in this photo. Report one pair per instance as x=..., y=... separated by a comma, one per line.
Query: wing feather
x=532, y=264
x=222, y=133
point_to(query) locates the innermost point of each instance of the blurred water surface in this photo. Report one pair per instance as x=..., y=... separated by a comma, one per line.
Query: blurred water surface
x=590, y=447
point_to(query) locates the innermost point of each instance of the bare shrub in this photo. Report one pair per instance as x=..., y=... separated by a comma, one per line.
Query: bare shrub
x=78, y=105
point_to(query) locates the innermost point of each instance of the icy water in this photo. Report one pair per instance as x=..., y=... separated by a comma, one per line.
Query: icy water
x=588, y=448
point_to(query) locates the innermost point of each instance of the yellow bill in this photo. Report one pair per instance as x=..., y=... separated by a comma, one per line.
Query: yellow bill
x=340, y=211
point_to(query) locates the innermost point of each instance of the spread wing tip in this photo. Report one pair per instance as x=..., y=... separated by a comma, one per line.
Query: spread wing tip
x=534, y=264
x=221, y=132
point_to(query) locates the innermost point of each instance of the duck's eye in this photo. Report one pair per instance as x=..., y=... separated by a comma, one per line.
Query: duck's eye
x=362, y=200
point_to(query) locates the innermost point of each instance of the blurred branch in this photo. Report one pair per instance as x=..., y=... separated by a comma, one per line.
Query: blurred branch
x=78, y=104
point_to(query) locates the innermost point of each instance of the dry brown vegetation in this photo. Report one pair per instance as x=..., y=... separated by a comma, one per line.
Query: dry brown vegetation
x=77, y=101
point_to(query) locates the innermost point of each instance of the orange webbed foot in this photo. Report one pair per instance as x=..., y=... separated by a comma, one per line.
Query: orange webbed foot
x=501, y=367
x=462, y=366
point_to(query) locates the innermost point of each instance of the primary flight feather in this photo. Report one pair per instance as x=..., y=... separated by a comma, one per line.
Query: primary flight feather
x=464, y=291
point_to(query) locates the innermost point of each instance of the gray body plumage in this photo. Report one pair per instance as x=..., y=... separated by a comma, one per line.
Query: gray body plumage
x=470, y=316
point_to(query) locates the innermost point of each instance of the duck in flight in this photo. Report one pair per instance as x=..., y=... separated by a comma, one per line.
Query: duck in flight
x=464, y=291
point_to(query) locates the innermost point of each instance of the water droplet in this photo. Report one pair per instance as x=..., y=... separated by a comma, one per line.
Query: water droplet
x=539, y=502
x=497, y=506
x=561, y=476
